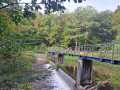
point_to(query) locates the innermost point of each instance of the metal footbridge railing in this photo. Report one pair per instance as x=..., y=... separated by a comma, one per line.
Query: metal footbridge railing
x=109, y=53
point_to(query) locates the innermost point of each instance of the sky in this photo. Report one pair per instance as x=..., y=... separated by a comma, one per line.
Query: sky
x=99, y=5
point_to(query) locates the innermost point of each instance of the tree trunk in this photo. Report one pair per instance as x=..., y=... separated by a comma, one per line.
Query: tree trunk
x=85, y=42
x=76, y=44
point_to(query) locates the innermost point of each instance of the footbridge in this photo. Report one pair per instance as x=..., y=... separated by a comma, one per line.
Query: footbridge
x=107, y=53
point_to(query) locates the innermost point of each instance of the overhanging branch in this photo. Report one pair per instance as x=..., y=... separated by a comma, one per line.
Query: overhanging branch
x=17, y=3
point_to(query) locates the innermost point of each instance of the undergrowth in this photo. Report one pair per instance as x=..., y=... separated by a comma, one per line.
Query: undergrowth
x=16, y=72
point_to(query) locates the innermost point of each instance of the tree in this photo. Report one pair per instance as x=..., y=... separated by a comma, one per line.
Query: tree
x=116, y=23
x=65, y=40
x=50, y=27
x=105, y=32
x=13, y=7
x=36, y=22
x=15, y=32
x=82, y=26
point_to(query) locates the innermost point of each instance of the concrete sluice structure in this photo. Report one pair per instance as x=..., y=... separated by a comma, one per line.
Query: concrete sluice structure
x=66, y=78
x=84, y=68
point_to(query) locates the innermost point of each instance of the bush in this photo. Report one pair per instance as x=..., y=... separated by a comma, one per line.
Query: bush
x=58, y=65
x=16, y=72
x=40, y=49
x=48, y=59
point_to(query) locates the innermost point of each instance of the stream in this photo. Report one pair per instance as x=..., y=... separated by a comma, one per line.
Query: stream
x=51, y=82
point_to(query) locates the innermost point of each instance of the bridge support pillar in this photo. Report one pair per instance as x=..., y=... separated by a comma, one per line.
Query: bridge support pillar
x=84, y=72
x=60, y=59
x=51, y=55
x=48, y=54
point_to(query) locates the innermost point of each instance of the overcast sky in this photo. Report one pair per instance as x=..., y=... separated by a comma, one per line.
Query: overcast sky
x=100, y=5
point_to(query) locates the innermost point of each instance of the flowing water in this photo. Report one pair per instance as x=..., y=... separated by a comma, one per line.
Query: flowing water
x=51, y=82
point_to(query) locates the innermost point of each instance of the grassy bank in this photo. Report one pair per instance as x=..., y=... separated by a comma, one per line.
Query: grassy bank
x=104, y=71
x=34, y=52
x=101, y=72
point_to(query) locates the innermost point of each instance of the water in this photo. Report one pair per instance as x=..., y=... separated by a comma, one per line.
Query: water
x=52, y=82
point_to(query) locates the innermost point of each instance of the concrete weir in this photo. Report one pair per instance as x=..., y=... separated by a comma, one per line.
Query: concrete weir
x=66, y=78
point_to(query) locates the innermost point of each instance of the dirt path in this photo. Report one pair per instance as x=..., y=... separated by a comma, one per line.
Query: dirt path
x=50, y=82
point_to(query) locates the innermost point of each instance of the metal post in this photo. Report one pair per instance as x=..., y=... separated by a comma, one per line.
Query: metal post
x=59, y=50
x=70, y=50
x=92, y=51
x=101, y=53
x=107, y=48
x=79, y=50
x=84, y=51
x=112, y=53
x=75, y=50
x=89, y=48
x=117, y=49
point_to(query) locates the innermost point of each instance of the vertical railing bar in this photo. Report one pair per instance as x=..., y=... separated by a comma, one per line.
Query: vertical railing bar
x=70, y=50
x=101, y=53
x=92, y=51
x=84, y=51
x=75, y=50
x=112, y=53
x=89, y=49
x=107, y=48
x=117, y=49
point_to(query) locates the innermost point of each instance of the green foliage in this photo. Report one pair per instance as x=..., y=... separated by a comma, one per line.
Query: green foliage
x=48, y=59
x=42, y=48
x=84, y=26
x=105, y=31
x=16, y=71
x=10, y=44
x=104, y=71
x=116, y=23
x=50, y=28
x=20, y=31
x=10, y=41
x=59, y=66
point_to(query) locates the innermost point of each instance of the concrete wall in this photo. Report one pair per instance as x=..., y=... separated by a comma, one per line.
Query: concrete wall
x=66, y=78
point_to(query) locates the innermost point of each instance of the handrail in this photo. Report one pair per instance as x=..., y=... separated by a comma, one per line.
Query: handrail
x=109, y=48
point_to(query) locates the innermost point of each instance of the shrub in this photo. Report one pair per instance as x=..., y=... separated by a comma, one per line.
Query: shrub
x=16, y=72
x=48, y=59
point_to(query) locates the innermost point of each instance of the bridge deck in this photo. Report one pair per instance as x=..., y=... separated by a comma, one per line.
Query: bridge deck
x=116, y=62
